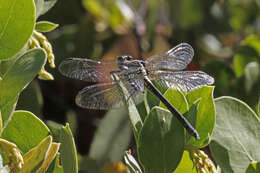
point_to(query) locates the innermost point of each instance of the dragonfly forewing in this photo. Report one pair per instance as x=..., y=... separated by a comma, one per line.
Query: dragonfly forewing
x=175, y=59
x=87, y=69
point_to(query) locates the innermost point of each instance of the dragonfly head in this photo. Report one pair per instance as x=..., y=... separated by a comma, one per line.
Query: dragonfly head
x=122, y=59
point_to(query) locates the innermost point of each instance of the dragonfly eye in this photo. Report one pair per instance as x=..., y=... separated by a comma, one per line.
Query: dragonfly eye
x=129, y=58
x=120, y=59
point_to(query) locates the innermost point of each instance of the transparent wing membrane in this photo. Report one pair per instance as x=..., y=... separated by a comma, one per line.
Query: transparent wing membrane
x=107, y=95
x=161, y=67
x=87, y=69
x=176, y=58
x=183, y=80
x=100, y=96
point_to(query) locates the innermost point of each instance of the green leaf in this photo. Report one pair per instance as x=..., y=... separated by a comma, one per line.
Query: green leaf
x=131, y=163
x=133, y=113
x=42, y=6
x=1, y=122
x=34, y=157
x=110, y=141
x=20, y=74
x=177, y=99
x=205, y=115
x=55, y=166
x=8, y=109
x=49, y=157
x=254, y=167
x=35, y=103
x=243, y=56
x=45, y=26
x=235, y=140
x=161, y=142
x=150, y=99
x=17, y=20
x=68, y=151
x=25, y=130
x=186, y=164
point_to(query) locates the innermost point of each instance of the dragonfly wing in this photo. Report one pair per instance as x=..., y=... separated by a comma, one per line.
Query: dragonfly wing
x=87, y=69
x=176, y=58
x=104, y=96
x=100, y=96
x=183, y=80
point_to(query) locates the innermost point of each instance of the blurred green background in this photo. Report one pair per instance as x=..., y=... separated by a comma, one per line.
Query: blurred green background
x=224, y=34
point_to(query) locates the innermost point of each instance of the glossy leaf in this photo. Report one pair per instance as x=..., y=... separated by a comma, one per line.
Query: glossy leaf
x=45, y=26
x=34, y=157
x=63, y=135
x=20, y=128
x=254, y=167
x=55, y=166
x=112, y=137
x=17, y=20
x=235, y=138
x=42, y=6
x=161, y=142
x=8, y=109
x=177, y=99
x=20, y=74
x=205, y=115
x=50, y=156
x=1, y=122
x=186, y=164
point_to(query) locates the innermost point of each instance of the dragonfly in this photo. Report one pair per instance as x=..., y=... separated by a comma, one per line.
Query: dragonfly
x=136, y=75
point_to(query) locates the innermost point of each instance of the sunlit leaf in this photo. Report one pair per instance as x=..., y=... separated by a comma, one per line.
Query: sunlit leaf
x=45, y=26
x=63, y=135
x=254, y=167
x=20, y=74
x=50, y=156
x=55, y=166
x=186, y=164
x=17, y=20
x=205, y=116
x=161, y=142
x=235, y=138
x=36, y=155
x=20, y=128
x=42, y=6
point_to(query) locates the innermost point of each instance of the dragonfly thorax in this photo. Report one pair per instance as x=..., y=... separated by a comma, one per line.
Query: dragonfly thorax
x=126, y=63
